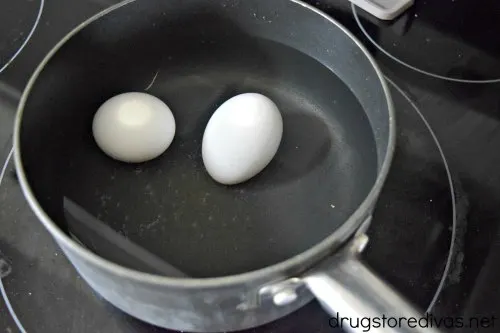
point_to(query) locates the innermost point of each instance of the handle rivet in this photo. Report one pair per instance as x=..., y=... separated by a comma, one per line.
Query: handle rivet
x=284, y=297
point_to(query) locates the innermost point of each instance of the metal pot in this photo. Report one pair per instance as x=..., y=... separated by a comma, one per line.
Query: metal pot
x=202, y=51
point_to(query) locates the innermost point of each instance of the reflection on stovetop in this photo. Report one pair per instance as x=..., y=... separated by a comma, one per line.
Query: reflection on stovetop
x=49, y=296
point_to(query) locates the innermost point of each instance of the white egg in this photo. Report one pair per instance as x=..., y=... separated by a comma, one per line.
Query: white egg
x=133, y=127
x=241, y=138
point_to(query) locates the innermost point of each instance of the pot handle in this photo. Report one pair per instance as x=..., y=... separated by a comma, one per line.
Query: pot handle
x=351, y=290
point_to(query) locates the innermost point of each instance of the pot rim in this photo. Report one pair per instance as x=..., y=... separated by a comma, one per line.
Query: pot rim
x=327, y=245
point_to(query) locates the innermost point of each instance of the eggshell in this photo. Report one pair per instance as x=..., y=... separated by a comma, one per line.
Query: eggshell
x=133, y=127
x=241, y=138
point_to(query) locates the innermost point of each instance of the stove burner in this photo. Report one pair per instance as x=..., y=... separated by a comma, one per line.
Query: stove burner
x=3, y=292
x=460, y=39
x=451, y=250
x=43, y=284
x=14, y=27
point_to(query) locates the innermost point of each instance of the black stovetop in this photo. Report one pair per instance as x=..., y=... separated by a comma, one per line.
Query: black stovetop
x=435, y=232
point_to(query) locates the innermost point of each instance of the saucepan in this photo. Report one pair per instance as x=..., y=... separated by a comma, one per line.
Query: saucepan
x=214, y=257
